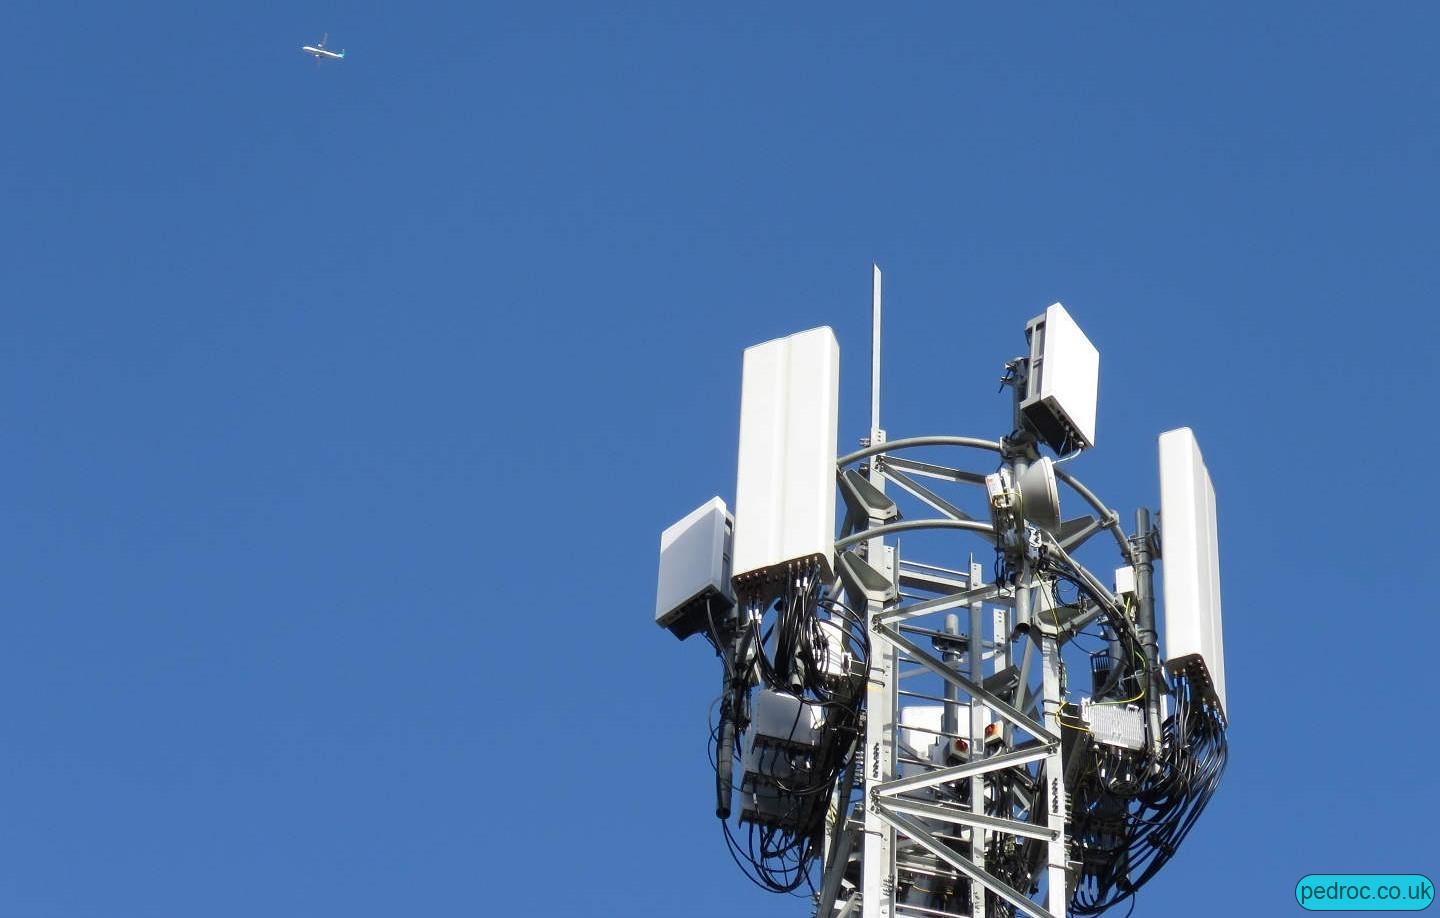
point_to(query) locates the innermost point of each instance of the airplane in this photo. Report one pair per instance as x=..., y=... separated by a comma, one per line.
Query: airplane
x=320, y=53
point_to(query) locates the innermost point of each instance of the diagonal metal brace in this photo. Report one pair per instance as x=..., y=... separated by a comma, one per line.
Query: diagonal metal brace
x=922, y=837
x=966, y=818
x=967, y=770
x=930, y=470
x=924, y=494
x=976, y=692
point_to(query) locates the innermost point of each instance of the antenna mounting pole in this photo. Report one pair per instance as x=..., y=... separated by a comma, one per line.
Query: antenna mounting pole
x=875, y=356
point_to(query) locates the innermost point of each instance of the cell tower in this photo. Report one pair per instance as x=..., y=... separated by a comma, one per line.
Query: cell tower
x=922, y=735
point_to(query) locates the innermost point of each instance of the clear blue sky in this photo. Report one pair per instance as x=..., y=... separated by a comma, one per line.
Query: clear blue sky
x=342, y=408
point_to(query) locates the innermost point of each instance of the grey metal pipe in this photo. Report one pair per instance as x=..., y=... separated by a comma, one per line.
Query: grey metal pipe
x=950, y=720
x=1145, y=625
x=908, y=442
x=909, y=525
x=1108, y=517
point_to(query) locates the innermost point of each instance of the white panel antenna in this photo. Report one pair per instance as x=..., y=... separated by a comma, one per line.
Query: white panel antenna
x=1191, y=555
x=1064, y=381
x=785, y=489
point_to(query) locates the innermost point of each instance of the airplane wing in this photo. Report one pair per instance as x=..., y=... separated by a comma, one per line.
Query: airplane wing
x=323, y=38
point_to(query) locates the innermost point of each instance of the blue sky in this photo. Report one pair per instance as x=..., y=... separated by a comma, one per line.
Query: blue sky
x=342, y=408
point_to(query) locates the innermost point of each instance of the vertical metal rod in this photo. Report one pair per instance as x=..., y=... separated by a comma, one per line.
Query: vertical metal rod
x=1145, y=624
x=1056, y=801
x=875, y=352
x=979, y=715
x=1057, y=891
x=1000, y=625
x=950, y=716
x=878, y=859
x=950, y=719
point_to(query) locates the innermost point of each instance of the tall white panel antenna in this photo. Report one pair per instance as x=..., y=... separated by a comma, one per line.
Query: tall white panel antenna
x=1064, y=381
x=785, y=490
x=1190, y=552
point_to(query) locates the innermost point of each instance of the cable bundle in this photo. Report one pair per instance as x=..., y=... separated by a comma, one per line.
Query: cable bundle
x=1131, y=809
x=1130, y=816
x=783, y=646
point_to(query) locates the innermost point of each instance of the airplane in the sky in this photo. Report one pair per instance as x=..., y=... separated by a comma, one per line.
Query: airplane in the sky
x=320, y=53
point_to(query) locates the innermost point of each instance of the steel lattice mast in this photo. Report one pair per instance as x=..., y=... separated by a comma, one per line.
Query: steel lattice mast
x=926, y=705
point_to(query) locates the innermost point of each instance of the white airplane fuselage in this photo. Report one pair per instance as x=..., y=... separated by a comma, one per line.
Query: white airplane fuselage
x=322, y=54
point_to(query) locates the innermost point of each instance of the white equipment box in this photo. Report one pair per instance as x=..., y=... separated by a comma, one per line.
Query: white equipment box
x=1115, y=725
x=779, y=757
x=1064, y=381
x=833, y=652
x=1190, y=552
x=694, y=581
x=785, y=489
x=1125, y=581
